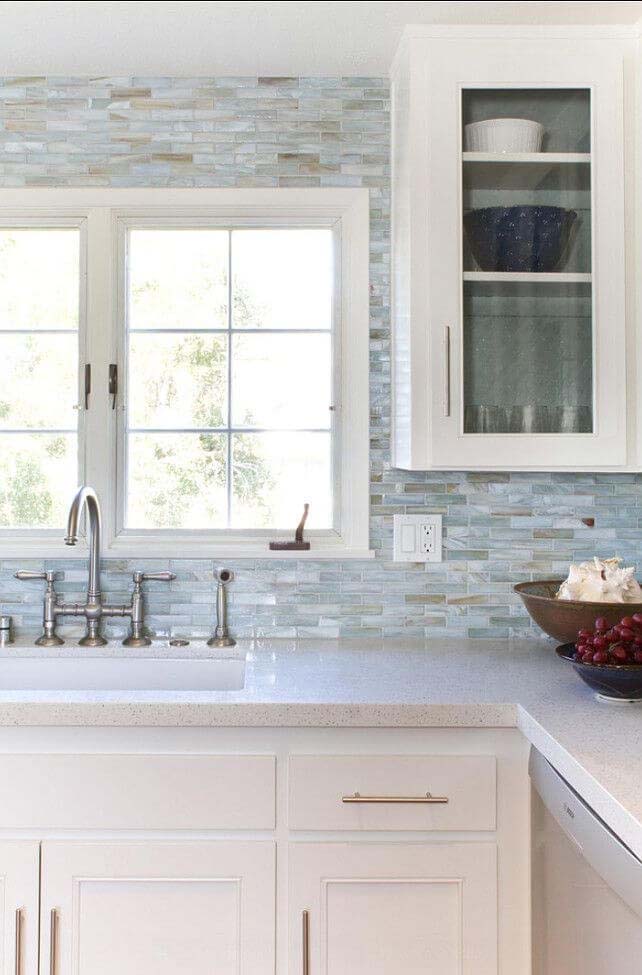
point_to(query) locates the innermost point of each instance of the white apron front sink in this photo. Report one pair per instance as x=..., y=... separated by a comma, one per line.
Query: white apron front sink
x=122, y=674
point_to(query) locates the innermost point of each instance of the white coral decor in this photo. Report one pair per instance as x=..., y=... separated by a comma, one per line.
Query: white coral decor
x=601, y=581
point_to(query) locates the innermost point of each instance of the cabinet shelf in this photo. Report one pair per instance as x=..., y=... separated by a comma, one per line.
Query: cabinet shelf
x=553, y=277
x=527, y=157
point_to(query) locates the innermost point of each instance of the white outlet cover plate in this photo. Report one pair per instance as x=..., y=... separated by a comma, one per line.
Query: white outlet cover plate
x=417, y=538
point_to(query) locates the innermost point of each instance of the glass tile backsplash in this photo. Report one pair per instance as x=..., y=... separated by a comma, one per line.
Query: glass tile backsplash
x=499, y=528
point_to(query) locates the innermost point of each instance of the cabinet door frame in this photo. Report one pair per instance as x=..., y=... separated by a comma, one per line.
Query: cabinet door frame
x=471, y=866
x=439, y=72
x=66, y=864
x=19, y=876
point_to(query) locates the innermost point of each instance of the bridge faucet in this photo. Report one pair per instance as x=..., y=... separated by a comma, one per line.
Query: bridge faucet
x=93, y=609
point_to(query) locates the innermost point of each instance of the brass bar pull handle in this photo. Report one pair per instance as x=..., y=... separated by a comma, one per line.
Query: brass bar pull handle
x=87, y=384
x=427, y=798
x=305, y=942
x=446, y=367
x=19, y=941
x=53, y=940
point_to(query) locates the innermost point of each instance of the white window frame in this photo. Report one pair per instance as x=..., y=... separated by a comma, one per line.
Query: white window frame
x=104, y=215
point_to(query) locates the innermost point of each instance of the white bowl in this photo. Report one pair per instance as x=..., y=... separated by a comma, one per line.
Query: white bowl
x=503, y=135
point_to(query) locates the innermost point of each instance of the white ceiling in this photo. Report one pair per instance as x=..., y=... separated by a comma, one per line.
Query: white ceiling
x=315, y=38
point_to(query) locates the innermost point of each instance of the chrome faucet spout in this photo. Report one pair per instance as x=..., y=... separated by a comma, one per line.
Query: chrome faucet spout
x=87, y=497
x=93, y=609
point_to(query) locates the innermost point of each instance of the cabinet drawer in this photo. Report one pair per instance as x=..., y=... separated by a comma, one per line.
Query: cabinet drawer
x=390, y=792
x=162, y=791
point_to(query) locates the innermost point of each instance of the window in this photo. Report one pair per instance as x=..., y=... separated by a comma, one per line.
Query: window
x=229, y=378
x=39, y=347
x=234, y=326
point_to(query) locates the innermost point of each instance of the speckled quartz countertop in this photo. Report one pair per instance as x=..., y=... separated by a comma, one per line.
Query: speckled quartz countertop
x=458, y=683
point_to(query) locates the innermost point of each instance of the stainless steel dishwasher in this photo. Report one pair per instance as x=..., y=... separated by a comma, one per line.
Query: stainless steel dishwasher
x=587, y=885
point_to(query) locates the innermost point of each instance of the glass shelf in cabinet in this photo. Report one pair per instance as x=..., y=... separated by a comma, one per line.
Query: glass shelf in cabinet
x=540, y=277
x=559, y=158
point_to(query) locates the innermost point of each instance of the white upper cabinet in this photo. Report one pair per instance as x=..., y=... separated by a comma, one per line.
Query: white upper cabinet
x=509, y=252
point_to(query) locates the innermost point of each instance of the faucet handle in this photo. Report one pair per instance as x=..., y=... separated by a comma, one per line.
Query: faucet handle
x=153, y=577
x=49, y=576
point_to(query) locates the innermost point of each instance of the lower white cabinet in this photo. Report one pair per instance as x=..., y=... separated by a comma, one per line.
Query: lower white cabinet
x=157, y=908
x=382, y=908
x=288, y=851
x=19, y=872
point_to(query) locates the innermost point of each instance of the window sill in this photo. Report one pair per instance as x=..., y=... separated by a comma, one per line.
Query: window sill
x=323, y=549
x=218, y=550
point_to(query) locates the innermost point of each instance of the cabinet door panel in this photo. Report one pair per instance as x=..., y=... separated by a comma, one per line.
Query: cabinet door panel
x=117, y=791
x=530, y=372
x=139, y=908
x=509, y=254
x=318, y=783
x=19, y=863
x=379, y=926
x=379, y=909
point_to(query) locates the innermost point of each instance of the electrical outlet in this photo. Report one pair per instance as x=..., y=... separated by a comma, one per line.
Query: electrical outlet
x=426, y=538
x=417, y=538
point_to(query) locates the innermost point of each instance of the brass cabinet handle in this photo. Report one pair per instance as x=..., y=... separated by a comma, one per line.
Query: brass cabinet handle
x=53, y=940
x=427, y=798
x=446, y=368
x=19, y=941
x=305, y=941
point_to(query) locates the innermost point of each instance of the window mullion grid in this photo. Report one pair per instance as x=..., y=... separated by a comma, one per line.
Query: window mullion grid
x=224, y=331
x=228, y=429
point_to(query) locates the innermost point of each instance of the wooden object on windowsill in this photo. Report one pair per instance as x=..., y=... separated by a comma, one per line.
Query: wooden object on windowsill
x=298, y=545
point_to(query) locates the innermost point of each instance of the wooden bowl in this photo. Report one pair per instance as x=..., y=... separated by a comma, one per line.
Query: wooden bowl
x=562, y=618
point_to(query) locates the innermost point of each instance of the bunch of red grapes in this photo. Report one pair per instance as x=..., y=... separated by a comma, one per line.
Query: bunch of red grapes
x=606, y=644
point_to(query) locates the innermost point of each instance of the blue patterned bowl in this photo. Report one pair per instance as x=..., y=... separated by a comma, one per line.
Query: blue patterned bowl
x=525, y=238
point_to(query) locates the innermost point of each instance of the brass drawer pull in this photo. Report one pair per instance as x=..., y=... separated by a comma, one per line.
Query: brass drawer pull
x=427, y=798
x=446, y=368
x=305, y=960
x=19, y=941
x=53, y=940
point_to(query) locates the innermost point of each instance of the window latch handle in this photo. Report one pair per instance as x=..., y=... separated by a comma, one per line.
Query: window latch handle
x=87, y=383
x=113, y=383
x=298, y=544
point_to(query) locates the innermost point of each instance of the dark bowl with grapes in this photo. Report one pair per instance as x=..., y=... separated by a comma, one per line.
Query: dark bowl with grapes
x=563, y=618
x=613, y=682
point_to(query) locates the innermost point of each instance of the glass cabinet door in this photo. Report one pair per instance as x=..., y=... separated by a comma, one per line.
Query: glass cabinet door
x=528, y=311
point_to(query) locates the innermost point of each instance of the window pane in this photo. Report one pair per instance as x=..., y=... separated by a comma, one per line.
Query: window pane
x=40, y=381
x=178, y=278
x=282, y=278
x=281, y=381
x=186, y=381
x=177, y=380
x=176, y=480
x=39, y=278
x=274, y=474
x=39, y=335
x=38, y=476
